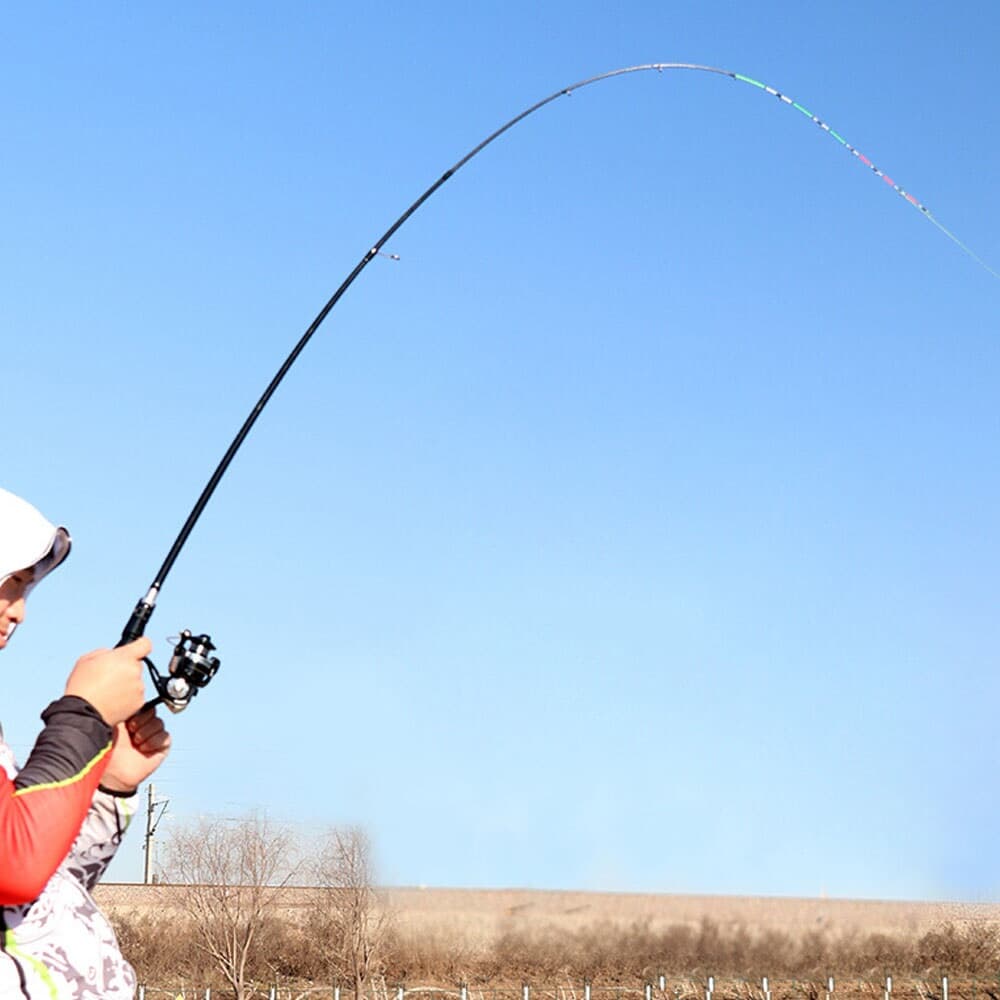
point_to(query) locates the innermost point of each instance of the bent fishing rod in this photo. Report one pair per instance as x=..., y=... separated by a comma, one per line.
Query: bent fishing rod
x=192, y=664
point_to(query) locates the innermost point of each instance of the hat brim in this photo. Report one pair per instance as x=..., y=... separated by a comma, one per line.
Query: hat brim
x=56, y=555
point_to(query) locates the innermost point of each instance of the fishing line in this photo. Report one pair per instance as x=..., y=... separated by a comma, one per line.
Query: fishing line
x=192, y=665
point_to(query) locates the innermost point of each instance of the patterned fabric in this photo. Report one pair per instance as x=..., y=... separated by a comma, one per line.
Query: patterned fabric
x=60, y=946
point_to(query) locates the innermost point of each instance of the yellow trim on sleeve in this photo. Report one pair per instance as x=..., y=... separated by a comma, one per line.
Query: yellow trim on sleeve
x=67, y=781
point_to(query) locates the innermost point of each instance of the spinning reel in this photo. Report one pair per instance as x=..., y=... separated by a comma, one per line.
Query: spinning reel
x=191, y=667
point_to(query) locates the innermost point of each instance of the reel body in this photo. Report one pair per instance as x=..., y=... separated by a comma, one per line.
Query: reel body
x=191, y=667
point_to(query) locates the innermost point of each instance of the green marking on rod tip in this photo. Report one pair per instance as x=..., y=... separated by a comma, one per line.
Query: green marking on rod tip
x=747, y=79
x=839, y=138
x=805, y=111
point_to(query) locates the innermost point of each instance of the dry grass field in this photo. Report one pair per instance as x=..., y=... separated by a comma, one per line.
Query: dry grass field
x=496, y=939
x=478, y=917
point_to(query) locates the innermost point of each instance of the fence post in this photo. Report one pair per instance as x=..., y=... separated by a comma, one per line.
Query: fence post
x=710, y=989
x=586, y=990
x=142, y=993
x=766, y=988
x=525, y=991
x=944, y=988
x=399, y=992
x=465, y=992
x=208, y=993
x=273, y=993
x=649, y=991
x=888, y=988
x=829, y=988
x=663, y=982
x=336, y=993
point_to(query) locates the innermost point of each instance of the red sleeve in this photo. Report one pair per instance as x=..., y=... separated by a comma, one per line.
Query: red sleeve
x=42, y=809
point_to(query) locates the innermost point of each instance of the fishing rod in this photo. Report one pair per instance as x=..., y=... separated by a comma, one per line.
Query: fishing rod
x=192, y=664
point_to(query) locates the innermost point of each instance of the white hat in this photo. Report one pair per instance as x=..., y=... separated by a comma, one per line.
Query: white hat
x=28, y=540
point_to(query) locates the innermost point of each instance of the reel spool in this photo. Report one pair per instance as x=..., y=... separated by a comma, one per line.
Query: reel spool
x=191, y=668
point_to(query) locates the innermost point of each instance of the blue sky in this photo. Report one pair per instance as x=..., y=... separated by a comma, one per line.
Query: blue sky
x=637, y=530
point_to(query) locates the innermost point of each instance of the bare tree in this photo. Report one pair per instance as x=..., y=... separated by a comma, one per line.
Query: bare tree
x=231, y=873
x=349, y=916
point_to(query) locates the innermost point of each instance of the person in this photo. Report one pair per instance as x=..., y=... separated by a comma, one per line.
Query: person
x=63, y=814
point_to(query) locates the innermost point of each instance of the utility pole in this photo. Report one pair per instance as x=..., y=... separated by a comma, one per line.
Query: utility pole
x=152, y=820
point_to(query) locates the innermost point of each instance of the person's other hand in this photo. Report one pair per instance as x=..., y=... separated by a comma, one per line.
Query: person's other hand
x=141, y=746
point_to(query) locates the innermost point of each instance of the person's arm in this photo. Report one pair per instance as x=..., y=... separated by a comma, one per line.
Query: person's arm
x=140, y=746
x=43, y=807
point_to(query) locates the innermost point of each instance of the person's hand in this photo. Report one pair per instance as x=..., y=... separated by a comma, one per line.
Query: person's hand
x=141, y=746
x=112, y=680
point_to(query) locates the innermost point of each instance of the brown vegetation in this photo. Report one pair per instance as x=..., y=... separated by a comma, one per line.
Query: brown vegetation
x=166, y=950
x=229, y=877
x=345, y=921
